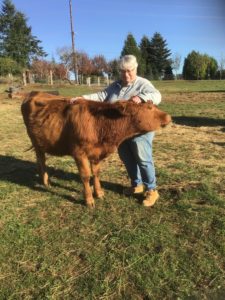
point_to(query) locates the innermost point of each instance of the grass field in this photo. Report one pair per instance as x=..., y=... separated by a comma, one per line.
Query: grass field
x=53, y=247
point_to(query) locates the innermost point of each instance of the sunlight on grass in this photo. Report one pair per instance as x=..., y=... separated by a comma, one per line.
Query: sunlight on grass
x=53, y=247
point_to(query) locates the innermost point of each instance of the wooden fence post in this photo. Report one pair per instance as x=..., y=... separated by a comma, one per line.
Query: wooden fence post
x=24, y=79
x=50, y=77
x=88, y=80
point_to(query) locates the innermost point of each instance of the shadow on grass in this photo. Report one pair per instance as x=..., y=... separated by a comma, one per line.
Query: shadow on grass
x=210, y=91
x=219, y=144
x=24, y=173
x=199, y=121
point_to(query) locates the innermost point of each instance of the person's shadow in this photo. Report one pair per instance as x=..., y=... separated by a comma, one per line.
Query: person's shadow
x=24, y=173
x=202, y=121
x=199, y=121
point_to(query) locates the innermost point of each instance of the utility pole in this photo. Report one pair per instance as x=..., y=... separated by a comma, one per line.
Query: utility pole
x=73, y=45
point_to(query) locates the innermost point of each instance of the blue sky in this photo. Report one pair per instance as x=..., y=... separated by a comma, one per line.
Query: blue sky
x=101, y=26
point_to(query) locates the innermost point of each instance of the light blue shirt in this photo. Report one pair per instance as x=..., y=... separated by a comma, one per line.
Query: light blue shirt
x=141, y=87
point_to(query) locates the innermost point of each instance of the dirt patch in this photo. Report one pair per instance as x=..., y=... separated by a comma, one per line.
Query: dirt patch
x=202, y=145
x=194, y=97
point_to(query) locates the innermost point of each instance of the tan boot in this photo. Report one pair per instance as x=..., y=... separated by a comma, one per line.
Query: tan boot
x=133, y=190
x=151, y=197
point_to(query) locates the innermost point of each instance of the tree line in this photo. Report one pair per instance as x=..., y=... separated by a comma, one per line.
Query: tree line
x=20, y=50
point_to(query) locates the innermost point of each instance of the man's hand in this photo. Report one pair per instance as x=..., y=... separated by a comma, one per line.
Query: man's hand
x=72, y=100
x=136, y=99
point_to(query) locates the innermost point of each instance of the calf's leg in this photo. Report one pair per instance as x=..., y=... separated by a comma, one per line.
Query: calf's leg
x=42, y=167
x=98, y=191
x=85, y=174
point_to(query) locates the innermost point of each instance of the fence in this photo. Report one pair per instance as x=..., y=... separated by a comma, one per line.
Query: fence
x=84, y=80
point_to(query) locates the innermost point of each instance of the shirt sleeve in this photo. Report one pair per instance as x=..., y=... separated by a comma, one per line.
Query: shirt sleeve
x=102, y=95
x=149, y=92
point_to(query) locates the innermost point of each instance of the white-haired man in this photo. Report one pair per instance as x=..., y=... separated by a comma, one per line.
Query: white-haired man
x=136, y=152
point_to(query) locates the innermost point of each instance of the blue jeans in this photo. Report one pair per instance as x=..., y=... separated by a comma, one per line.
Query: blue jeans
x=136, y=154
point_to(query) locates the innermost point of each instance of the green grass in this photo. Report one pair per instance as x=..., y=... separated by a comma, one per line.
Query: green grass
x=53, y=247
x=188, y=86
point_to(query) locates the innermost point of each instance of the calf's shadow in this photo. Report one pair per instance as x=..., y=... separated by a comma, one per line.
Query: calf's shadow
x=24, y=173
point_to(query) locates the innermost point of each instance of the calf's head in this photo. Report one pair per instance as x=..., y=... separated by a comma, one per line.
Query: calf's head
x=150, y=118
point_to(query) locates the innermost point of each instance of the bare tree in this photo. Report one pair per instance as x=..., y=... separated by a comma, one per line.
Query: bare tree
x=84, y=63
x=40, y=68
x=65, y=56
x=221, y=65
x=100, y=65
x=176, y=61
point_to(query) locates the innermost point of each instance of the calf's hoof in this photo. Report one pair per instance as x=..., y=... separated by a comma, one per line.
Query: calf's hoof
x=90, y=203
x=45, y=180
x=99, y=194
x=47, y=184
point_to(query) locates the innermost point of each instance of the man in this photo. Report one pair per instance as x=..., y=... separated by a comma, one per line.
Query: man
x=136, y=153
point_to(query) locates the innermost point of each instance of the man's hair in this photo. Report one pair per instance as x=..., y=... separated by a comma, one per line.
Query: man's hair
x=128, y=62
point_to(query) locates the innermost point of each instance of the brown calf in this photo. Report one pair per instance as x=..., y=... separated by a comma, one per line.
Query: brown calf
x=86, y=130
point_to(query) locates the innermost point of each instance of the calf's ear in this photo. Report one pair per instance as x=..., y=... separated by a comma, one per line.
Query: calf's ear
x=149, y=101
x=148, y=104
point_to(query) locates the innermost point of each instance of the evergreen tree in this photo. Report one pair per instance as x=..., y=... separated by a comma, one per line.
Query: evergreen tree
x=16, y=40
x=114, y=68
x=145, y=59
x=168, y=72
x=159, y=55
x=131, y=47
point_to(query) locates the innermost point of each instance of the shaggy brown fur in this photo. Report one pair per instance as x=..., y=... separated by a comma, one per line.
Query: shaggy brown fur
x=88, y=131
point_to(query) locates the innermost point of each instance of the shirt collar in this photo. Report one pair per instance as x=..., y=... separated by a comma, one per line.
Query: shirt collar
x=120, y=84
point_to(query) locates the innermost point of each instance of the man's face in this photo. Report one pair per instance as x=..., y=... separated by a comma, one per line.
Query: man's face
x=128, y=75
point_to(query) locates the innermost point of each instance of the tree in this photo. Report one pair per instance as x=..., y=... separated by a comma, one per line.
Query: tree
x=114, y=68
x=192, y=66
x=8, y=66
x=16, y=40
x=199, y=66
x=131, y=47
x=60, y=71
x=176, y=60
x=65, y=55
x=211, y=68
x=40, y=69
x=168, y=72
x=85, y=65
x=221, y=65
x=99, y=65
x=159, y=55
x=146, y=69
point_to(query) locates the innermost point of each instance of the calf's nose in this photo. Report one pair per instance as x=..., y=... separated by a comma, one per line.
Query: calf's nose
x=166, y=120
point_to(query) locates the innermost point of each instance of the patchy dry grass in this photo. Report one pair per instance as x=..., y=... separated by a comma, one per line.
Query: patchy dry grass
x=52, y=247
